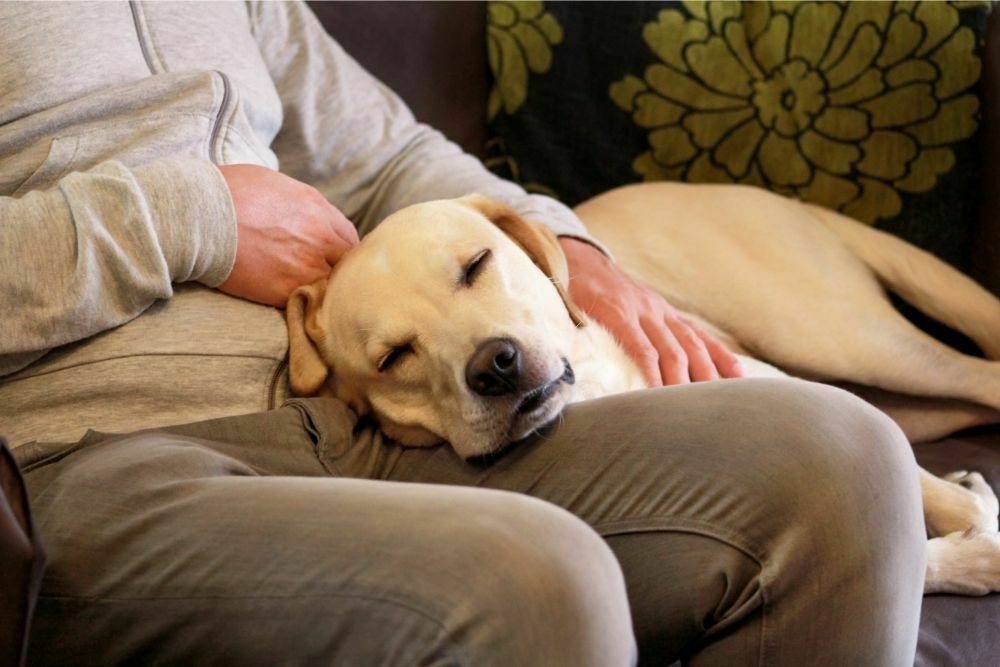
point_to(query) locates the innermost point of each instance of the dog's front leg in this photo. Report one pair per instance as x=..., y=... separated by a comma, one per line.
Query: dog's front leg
x=963, y=554
x=959, y=501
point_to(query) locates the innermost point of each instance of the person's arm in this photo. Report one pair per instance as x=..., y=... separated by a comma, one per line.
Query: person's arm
x=355, y=140
x=102, y=245
x=96, y=250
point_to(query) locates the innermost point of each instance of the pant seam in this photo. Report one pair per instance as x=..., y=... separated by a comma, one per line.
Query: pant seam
x=29, y=460
x=683, y=524
x=311, y=424
x=731, y=538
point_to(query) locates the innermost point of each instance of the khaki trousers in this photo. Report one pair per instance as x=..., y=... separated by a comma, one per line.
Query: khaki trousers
x=741, y=522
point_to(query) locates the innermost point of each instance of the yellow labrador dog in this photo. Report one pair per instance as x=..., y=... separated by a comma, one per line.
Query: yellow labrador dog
x=451, y=323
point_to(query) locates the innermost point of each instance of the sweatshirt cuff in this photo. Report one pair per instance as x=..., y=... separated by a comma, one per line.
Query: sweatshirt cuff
x=561, y=220
x=194, y=217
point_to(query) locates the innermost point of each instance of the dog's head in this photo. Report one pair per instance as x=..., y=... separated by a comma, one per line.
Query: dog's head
x=449, y=322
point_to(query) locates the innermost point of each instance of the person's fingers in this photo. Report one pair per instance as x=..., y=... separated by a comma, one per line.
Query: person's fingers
x=722, y=357
x=342, y=227
x=338, y=236
x=671, y=360
x=700, y=364
x=728, y=364
x=640, y=349
x=313, y=273
x=334, y=249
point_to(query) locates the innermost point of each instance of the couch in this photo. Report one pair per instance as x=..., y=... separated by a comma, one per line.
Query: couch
x=437, y=58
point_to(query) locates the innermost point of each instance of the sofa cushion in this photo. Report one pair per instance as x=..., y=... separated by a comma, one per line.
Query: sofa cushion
x=868, y=108
x=430, y=53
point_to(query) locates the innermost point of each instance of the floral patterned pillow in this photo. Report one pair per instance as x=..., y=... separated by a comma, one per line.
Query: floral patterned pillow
x=869, y=108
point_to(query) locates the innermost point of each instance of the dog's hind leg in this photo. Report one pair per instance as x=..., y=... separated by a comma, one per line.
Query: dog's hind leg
x=923, y=280
x=963, y=563
x=894, y=355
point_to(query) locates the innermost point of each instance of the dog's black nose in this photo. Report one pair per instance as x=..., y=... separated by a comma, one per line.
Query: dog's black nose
x=494, y=368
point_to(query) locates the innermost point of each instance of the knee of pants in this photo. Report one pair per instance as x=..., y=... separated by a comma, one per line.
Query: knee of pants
x=758, y=456
x=546, y=589
x=754, y=454
x=476, y=577
x=824, y=493
x=844, y=495
x=841, y=455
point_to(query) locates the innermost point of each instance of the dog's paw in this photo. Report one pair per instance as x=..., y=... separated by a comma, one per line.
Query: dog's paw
x=984, y=512
x=972, y=481
x=963, y=563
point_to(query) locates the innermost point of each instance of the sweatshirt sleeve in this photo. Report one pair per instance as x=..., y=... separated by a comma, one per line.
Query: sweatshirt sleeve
x=348, y=135
x=100, y=246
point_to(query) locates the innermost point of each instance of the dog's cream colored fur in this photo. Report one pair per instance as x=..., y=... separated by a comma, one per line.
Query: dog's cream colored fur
x=773, y=278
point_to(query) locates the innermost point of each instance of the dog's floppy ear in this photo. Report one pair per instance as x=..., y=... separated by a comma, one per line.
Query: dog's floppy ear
x=306, y=369
x=535, y=239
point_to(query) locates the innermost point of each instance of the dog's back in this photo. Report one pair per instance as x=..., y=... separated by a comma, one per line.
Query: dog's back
x=802, y=287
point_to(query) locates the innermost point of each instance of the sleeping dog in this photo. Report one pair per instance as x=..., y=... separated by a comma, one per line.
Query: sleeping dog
x=460, y=329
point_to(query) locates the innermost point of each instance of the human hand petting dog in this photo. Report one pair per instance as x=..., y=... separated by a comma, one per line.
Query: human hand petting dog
x=288, y=234
x=667, y=346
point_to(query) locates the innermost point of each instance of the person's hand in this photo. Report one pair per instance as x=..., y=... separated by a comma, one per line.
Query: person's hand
x=667, y=346
x=288, y=234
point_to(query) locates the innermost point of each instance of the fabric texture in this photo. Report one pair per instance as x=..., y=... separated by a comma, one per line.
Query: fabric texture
x=803, y=545
x=868, y=108
x=110, y=199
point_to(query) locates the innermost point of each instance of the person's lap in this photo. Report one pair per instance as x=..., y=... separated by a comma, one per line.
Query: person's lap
x=722, y=503
x=699, y=490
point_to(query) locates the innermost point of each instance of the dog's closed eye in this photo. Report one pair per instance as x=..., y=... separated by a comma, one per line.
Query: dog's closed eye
x=393, y=356
x=474, y=267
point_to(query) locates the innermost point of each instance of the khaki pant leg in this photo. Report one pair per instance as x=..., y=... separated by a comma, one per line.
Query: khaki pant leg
x=758, y=522
x=229, y=543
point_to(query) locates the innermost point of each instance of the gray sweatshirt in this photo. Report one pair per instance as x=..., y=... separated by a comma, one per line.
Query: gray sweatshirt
x=115, y=224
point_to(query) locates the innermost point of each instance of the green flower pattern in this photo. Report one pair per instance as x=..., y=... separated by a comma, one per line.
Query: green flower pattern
x=519, y=40
x=842, y=104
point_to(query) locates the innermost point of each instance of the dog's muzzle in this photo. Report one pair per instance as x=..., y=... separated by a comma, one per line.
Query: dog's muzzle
x=538, y=396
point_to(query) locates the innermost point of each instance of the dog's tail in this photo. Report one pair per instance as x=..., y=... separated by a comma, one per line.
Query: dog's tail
x=923, y=280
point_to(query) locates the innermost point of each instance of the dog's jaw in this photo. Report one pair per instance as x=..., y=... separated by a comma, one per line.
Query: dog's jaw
x=491, y=427
x=541, y=406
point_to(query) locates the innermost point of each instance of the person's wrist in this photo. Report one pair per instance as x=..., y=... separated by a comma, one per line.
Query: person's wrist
x=578, y=251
